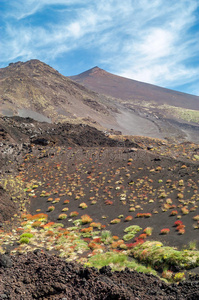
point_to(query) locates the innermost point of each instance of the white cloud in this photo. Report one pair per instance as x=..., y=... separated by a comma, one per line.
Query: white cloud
x=23, y=8
x=158, y=53
x=157, y=44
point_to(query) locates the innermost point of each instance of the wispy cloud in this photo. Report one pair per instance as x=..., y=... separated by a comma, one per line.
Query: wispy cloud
x=152, y=41
x=158, y=50
x=24, y=8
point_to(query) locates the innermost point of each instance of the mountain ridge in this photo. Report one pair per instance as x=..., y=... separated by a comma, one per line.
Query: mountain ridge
x=36, y=86
x=128, y=89
x=97, y=98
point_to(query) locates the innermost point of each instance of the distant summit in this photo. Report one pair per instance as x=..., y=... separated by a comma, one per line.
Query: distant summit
x=116, y=86
x=96, y=71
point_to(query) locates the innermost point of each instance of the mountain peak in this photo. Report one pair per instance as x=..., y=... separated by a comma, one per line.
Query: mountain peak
x=31, y=67
x=95, y=68
x=29, y=62
x=95, y=71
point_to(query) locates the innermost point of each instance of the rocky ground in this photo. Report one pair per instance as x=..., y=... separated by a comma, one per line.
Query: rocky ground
x=116, y=177
x=37, y=275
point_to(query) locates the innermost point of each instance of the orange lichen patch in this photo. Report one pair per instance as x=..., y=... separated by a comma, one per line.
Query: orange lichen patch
x=165, y=231
x=66, y=201
x=192, y=209
x=59, y=235
x=83, y=205
x=40, y=216
x=179, y=227
x=129, y=218
x=108, y=202
x=24, y=223
x=49, y=233
x=178, y=222
x=93, y=245
x=65, y=209
x=51, y=208
x=50, y=199
x=61, y=194
x=36, y=224
x=115, y=221
x=96, y=225
x=26, y=216
x=138, y=242
x=74, y=214
x=97, y=240
x=85, y=230
x=66, y=232
x=142, y=236
x=56, y=200
x=196, y=218
x=116, y=244
x=23, y=216
x=49, y=224
x=86, y=219
x=143, y=215
x=166, y=206
x=181, y=231
x=184, y=210
x=62, y=216
x=173, y=213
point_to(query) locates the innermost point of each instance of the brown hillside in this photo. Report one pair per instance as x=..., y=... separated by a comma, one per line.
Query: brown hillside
x=104, y=82
x=36, y=90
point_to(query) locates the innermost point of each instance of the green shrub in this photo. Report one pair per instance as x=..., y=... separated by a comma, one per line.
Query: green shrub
x=77, y=222
x=106, y=236
x=24, y=240
x=62, y=216
x=115, y=221
x=133, y=229
x=193, y=245
x=108, y=258
x=148, y=231
x=51, y=208
x=179, y=276
x=129, y=236
x=157, y=255
x=26, y=235
x=56, y=225
x=118, y=261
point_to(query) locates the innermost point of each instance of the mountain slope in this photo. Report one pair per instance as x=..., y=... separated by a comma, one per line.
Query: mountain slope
x=35, y=89
x=104, y=82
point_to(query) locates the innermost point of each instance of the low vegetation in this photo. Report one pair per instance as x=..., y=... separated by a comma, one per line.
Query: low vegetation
x=109, y=214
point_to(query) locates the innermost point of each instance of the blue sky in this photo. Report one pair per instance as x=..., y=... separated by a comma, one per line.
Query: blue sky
x=155, y=41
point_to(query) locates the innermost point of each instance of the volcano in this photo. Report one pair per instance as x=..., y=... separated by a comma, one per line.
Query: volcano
x=104, y=82
x=108, y=102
